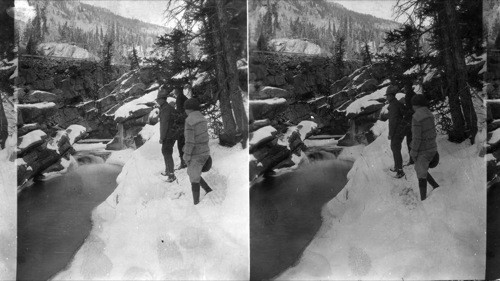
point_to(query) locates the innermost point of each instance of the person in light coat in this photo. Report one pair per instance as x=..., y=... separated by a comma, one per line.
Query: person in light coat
x=423, y=144
x=196, y=149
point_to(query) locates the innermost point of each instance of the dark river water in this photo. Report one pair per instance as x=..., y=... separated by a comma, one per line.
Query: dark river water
x=54, y=217
x=285, y=214
x=493, y=233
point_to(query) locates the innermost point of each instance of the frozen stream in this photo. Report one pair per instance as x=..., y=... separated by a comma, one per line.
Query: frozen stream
x=54, y=216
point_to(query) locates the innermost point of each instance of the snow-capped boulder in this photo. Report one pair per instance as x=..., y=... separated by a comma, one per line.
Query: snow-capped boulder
x=76, y=133
x=38, y=96
x=268, y=108
x=270, y=92
x=125, y=112
x=30, y=140
x=261, y=136
x=41, y=157
x=36, y=112
x=26, y=128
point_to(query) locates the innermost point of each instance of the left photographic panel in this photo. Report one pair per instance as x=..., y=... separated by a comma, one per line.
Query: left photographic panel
x=132, y=159
x=8, y=74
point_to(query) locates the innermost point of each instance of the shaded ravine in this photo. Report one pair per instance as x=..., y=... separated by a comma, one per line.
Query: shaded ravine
x=54, y=218
x=285, y=214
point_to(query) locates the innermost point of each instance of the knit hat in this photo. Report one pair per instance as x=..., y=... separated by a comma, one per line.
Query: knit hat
x=162, y=94
x=192, y=104
x=419, y=100
x=391, y=90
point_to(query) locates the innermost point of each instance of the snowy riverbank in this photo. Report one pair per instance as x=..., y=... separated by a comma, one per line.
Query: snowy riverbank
x=150, y=229
x=377, y=227
x=8, y=211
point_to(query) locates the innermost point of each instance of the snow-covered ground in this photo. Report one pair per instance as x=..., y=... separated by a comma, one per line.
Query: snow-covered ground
x=377, y=228
x=8, y=211
x=149, y=229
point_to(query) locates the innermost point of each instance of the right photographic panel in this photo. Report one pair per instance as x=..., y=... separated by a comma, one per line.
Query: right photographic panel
x=491, y=19
x=369, y=132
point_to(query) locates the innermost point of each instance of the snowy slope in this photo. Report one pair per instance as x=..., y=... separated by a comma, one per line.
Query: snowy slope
x=150, y=229
x=8, y=219
x=377, y=228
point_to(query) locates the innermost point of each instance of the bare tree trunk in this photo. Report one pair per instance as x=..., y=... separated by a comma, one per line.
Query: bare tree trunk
x=232, y=75
x=4, y=130
x=457, y=133
x=228, y=122
x=460, y=74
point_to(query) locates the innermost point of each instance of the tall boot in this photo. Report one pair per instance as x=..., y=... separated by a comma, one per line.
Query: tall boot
x=431, y=181
x=205, y=186
x=195, y=188
x=422, y=185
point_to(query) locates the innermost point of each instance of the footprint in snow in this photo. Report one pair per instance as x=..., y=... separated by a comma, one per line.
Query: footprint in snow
x=177, y=195
x=215, y=197
x=406, y=196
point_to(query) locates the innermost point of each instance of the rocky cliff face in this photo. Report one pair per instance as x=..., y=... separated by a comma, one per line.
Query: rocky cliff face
x=53, y=112
x=70, y=85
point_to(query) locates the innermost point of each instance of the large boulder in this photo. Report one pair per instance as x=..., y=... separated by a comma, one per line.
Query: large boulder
x=29, y=141
x=41, y=157
x=37, y=96
x=37, y=112
x=269, y=108
x=270, y=92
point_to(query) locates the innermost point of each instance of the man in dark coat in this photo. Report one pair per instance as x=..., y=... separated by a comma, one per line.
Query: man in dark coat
x=180, y=98
x=407, y=117
x=396, y=131
x=168, y=131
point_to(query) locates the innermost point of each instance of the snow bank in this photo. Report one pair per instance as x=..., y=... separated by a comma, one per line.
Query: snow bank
x=8, y=209
x=377, y=228
x=150, y=229
x=120, y=157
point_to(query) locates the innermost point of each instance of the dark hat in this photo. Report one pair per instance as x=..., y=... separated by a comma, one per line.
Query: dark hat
x=162, y=94
x=419, y=100
x=192, y=104
x=391, y=90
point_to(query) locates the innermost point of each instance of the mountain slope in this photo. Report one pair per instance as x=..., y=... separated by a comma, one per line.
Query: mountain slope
x=87, y=26
x=318, y=21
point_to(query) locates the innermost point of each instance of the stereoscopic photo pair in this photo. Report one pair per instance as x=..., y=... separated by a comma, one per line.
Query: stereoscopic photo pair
x=249, y=140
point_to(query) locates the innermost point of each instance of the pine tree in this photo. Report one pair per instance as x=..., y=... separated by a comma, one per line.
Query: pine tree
x=367, y=57
x=134, y=59
x=339, y=52
x=107, y=60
